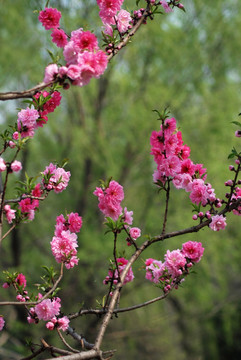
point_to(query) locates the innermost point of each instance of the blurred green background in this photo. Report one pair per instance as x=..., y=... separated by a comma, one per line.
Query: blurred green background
x=189, y=62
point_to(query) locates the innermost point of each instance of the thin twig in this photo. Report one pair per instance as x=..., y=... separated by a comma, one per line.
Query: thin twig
x=166, y=208
x=65, y=343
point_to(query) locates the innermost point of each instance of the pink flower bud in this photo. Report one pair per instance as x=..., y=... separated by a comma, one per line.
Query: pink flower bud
x=194, y=217
x=16, y=166
x=6, y=285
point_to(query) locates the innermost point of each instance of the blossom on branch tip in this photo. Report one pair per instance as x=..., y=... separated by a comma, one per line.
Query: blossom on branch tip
x=218, y=223
x=10, y=213
x=123, y=19
x=135, y=233
x=64, y=247
x=47, y=309
x=16, y=166
x=49, y=18
x=55, y=178
x=59, y=37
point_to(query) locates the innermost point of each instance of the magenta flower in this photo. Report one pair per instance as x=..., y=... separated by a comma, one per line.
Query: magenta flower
x=2, y=322
x=193, y=250
x=75, y=222
x=64, y=248
x=57, y=178
x=49, y=18
x=218, y=223
x=21, y=280
x=59, y=37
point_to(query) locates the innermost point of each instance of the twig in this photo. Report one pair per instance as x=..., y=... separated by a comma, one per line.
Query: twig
x=166, y=208
x=65, y=342
x=84, y=343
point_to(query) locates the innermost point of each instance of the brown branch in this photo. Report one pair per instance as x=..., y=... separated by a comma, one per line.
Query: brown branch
x=12, y=95
x=65, y=342
x=84, y=343
x=166, y=208
x=7, y=233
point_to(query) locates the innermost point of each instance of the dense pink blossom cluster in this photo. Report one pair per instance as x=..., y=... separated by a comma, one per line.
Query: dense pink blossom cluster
x=55, y=178
x=112, y=16
x=64, y=242
x=113, y=276
x=176, y=264
x=173, y=162
x=83, y=57
x=110, y=199
x=27, y=122
x=29, y=205
x=46, y=103
x=59, y=323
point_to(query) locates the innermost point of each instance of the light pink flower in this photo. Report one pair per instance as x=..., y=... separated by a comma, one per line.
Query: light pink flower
x=123, y=19
x=193, y=250
x=10, y=214
x=51, y=71
x=49, y=18
x=70, y=53
x=16, y=166
x=59, y=37
x=74, y=72
x=57, y=178
x=135, y=233
x=64, y=248
x=27, y=122
x=47, y=309
x=128, y=216
x=2, y=322
x=218, y=223
x=165, y=6
x=174, y=262
x=63, y=323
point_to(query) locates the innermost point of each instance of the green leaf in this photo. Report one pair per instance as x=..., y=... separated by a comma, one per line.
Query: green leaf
x=236, y=123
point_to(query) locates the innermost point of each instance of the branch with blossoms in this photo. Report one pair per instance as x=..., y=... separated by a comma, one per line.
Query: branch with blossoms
x=83, y=60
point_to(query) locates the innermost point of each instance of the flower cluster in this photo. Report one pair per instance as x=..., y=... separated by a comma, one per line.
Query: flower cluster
x=110, y=199
x=83, y=57
x=30, y=119
x=64, y=242
x=173, y=162
x=113, y=273
x=2, y=322
x=48, y=310
x=112, y=14
x=55, y=178
x=176, y=265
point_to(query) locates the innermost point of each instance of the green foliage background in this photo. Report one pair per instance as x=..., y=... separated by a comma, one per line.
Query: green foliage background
x=189, y=62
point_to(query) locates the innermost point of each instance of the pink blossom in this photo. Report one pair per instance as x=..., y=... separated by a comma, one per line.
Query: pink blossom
x=75, y=222
x=59, y=37
x=123, y=19
x=110, y=200
x=238, y=133
x=6, y=285
x=154, y=270
x=64, y=248
x=165, y=6
x=85, y=40
x=101, y=63
x=15, y=135
x=108, y=9
x=169, y=126
x=16, y=166
x=174, y=262
x=135, y=233
x=70, y=53
x=56, y=179
x=122, y=262
x=218, y=223
x=47, y=309
x=50, y=325
x=2, y=322
x=170, y=166
x=27, y=122
x=63, y=323
x=199, y=192
x=108, y=30
x=21, y=280
x=193, y=250
x=51, y=71
x=74, y=72
x=10, y=214
x=187, y=167
x=128, y=216
x=49, y=18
